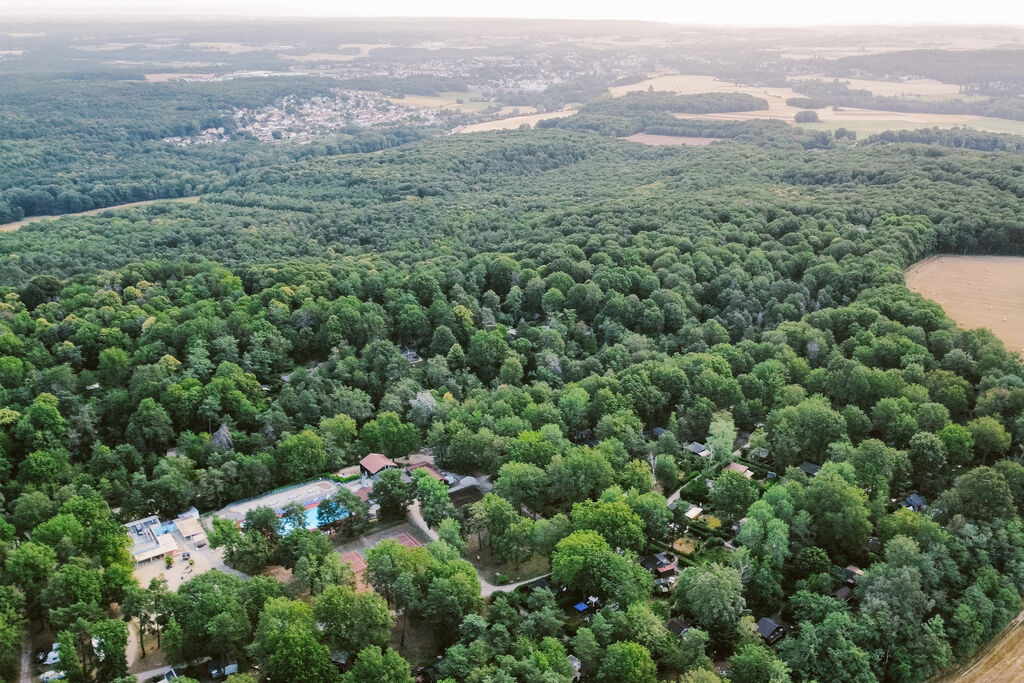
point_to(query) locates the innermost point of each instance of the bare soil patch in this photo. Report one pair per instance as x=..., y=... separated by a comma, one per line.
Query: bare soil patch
x=669, y=140
x=976, y=291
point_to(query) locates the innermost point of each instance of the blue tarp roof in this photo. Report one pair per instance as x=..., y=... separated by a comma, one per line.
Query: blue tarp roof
x=581, y=606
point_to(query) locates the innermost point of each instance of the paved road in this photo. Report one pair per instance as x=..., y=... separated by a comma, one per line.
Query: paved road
x=146, y=676
x=674, y=496
x=486, y=587
x=25, y=675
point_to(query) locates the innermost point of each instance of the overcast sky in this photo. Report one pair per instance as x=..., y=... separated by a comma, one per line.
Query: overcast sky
x=727, y=12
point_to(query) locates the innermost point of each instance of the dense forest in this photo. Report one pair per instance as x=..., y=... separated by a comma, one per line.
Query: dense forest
x=195, y=355
x=708, y=352
x=989, y=72
x=69, y=145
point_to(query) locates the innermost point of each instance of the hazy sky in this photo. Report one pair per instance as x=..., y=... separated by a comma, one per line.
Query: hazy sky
x=727, y=12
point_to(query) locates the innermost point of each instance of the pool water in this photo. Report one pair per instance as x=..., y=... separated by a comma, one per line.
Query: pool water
x=311, y=520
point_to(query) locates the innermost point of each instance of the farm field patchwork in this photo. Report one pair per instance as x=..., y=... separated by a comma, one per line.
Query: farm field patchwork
x=976, y=291
x=917, y=87
x=863, y=121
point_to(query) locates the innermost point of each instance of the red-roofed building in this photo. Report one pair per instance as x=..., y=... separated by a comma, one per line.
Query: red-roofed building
x=364, y=493
x=740, y=469
x=429, y=470
x=375, y=463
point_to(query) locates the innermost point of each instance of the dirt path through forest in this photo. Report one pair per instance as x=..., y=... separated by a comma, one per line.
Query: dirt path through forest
x=10, y=227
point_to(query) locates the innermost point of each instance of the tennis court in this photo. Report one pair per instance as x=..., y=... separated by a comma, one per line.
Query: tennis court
x=406, y=539
x=354, y=559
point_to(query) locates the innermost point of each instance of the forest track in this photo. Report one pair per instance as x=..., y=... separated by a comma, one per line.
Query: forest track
x=11, y=227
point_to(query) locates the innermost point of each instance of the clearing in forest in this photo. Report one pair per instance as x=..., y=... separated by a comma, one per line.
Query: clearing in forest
x=673, y=140
x=976, y=291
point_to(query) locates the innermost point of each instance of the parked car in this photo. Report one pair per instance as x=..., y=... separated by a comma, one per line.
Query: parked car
x=43, y=655
x=52, y=676
x=219, y=668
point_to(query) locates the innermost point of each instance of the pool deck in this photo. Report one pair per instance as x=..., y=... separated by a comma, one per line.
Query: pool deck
x=307, y=494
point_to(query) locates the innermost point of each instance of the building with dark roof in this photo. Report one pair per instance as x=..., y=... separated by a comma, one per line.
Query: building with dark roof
x=659, y=564
x=915, y=502
x=698, y=448
x=809, y=468
x=770, y=630
x=677, y=627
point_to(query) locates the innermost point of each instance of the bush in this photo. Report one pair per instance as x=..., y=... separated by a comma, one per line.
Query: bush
x=806, y=117
x=696, y=491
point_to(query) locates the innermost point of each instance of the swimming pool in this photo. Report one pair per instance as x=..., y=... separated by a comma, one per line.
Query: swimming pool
x=311, y=520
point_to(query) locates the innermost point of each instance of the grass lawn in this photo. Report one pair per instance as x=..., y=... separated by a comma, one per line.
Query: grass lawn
x=490, y=566
x=685, y=545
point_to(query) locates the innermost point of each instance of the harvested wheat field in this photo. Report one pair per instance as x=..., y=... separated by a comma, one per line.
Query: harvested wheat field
x=1003, y=662
x=976, y=291
x=917, y=87
x=864, y=121
x=663, y=140
x=514, y=122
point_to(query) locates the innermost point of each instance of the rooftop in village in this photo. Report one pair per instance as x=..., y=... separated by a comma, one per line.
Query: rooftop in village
x=740, y=469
